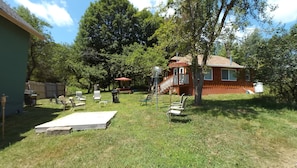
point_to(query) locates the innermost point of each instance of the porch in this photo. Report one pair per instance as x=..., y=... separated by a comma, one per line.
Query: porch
x=183, y=84
x=175, y=82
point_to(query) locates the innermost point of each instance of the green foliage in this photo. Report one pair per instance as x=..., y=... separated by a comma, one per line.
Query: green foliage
x=142, y=59
x=168, y=41
x=61, y=61
x=147, y=24
x=201, y=22
x=106, y=28
x=279, y=69
x=273, y=61
x=249, y=51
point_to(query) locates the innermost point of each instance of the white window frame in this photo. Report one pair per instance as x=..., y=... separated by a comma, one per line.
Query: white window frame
x=229, y=74
x=211, y=74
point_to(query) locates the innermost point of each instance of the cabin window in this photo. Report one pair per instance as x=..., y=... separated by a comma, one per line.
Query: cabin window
x=175, y=71
x=229, y=75
x=208, y=75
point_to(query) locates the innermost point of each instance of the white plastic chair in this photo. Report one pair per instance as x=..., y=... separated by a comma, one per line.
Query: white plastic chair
x=79, y=96
x=76, y=104
x=177, y=110
x=97, y=95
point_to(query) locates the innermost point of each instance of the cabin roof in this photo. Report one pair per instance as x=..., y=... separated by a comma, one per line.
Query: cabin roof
x=213, y=61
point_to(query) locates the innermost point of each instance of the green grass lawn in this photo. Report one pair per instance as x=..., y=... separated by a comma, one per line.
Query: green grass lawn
x=227, y=131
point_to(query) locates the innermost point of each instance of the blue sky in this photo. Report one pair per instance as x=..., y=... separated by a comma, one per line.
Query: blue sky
x=64, y=15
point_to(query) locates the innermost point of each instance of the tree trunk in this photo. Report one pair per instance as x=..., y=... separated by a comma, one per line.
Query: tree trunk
x=90, y=87
x=195, y=79
x=196, y=89
x=200, y=87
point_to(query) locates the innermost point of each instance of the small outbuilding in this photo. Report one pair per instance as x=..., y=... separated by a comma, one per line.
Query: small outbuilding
x=14, y=48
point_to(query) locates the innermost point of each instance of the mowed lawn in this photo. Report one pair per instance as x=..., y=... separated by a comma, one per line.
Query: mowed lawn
x=238, y=130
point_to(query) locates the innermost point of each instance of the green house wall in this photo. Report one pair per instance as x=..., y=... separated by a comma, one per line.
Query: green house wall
x=14, y=45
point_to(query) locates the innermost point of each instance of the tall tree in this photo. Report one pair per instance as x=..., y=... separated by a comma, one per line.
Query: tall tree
x=145, y=58
x=147, y=24
x=248, y=51
x=62, y=62
x=201, y=22
x=107, y=27
x=168, y=41
x=279, y=65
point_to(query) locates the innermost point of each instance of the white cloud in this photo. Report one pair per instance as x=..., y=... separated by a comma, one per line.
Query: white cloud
x=141, y=4
x=286, y=11
x=50, y=11
x=245, y=33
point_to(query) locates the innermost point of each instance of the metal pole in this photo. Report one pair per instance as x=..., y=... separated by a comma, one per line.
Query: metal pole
x=156, y=73
x=156, y=80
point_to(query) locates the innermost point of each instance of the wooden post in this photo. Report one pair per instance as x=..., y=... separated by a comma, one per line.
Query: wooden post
x=3, y=102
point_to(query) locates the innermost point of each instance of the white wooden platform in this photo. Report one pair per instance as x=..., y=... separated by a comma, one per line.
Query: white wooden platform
x=80, y=121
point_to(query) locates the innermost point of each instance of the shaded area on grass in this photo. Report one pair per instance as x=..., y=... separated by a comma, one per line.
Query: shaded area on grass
x=180, y=118
x=31, y=117
x=236, y=108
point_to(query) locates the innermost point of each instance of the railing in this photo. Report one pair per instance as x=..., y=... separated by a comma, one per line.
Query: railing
x=166, y=84
x=173, y=80
x=183, y=79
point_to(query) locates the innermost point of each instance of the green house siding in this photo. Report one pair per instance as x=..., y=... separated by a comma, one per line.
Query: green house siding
x=14, y=44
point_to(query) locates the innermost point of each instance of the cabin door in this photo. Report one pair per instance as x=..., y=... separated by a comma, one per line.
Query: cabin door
x=178, y=75
x=181, y=75
x=175, y=76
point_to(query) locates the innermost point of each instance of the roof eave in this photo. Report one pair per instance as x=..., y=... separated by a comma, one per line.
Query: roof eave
x=21, y=25
x=226, y=66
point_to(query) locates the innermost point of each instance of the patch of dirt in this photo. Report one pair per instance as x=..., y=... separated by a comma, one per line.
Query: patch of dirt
x=287, y=159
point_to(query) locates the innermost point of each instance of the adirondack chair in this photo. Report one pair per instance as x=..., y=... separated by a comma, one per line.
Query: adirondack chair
x=97, y=95
x=179, y=102
x=147, y=99
x=64, y=102
x=75, y=104
x=177, y=110
x=79, y=96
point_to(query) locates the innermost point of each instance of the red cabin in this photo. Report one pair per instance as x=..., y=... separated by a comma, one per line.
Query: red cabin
x=221, y=76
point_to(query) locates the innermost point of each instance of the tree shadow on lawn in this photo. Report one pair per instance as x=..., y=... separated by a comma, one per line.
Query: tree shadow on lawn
x=240, y=108
x=183, y=118
x=17, y=124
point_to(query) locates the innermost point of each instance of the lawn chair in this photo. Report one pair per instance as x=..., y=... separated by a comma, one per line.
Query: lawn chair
x=97, y=95
x=176, y=110
x=179, y=103
x=64, y=102
x=75, y=104
x=147, y=99
x=79, y=96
